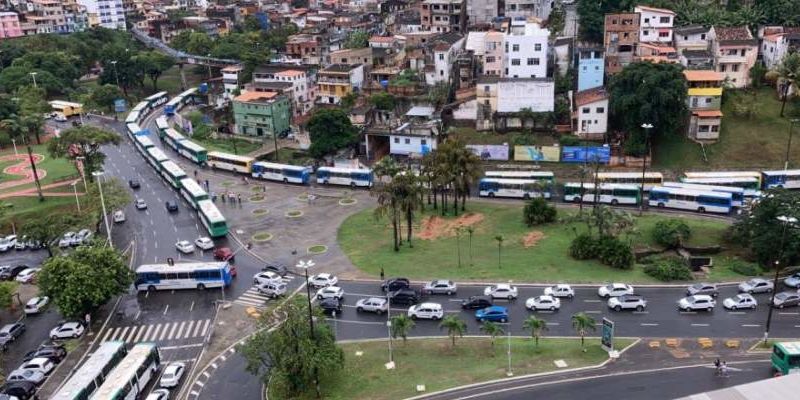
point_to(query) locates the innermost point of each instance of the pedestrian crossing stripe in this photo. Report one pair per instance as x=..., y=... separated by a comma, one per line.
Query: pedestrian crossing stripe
x=252, y=298
x=158, y=332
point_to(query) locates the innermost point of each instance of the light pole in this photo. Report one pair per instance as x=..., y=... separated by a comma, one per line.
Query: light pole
x=14, y=142
x=74, y=189
x=789, y=143
x=389, y=328
x=208, y=64
x=305, y=265
x=786, y=222
x=116, y=75
x=509, y=372
x=97, y=175
x=33, y=76
x=83, y=172
x=646, y=127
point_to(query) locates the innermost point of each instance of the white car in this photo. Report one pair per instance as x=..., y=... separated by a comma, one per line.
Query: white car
x=266, y=276
x=140, y=204
x=501, y=291
x=185, y=247
x=204, y=243
x=426, y=311
x=560, y=290
x=41, y=364
x=172, y=375
x=272, y=289
x=60, y=118
x=7, y=243
x=36, y=305
x=441, y=286
x=119, y=216
x=627, y=302
x=322, y=280
x=27, y=275
x=756, y=285
x=330, y=292
x=378, y=305
x=28, y=375
x=740, y=301
x=22, y=243
x=614, y=290
x=66, y=330
x=543, y=303
x=82, y=237
x=695, y=303
x=66, y=240
x=158, y=394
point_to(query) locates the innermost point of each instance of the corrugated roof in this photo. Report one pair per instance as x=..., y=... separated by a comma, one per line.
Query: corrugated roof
x=589, y=96
x=708, y=113
x=732, y=33
x=653, y=9
x=253, y=96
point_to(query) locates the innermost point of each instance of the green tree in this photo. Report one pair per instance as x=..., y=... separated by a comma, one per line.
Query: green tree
x=401, y=326
x=198, y=43
x=388, y=205
x=583, y=324
x=46, y=229
x=671, y=233
x=386, y=167
x=330, y=131
x=32, y=105
x=13, y=78
x=85, y=279
x=439, y=94
x=455, y=327
x=537, y=326
x=349, y=100
x=492, y=329
x=762, y=233
x=409, y=191
x=383, y=101
x=7, y=290
x=788, y=76
x=103, y=96
x=537, y=211
x=85, y=141
x=651, y=93
x=154, y=64
x=356, y=39
x=557, y=19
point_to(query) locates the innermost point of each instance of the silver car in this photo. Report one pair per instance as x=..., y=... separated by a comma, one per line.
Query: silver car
x=702, y=288
x=28, y=375
x=756, y=285
x=441, y=286
x=378, y=305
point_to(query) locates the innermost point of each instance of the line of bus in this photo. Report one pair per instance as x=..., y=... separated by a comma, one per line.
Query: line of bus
x=352, y=177
x=701, y=201
x=783, y=179
x=737, y=193
x=156, y=100
x=193, y=151
x=632, y=178
x=230, y=162
x=161, y=125
x=133, y=129
x=192, y=192
x=194, y=275
x=143, y=143
x=280, y=172
x=172, y=138
x=537, y=175
x=608, y=193
x=211, y=218
x=179, y=101
x=724, y=174
x=515, y=188
x=751, y=185
x=92, y=373
x=155, y=157
x=172, y=173
x=132, y=375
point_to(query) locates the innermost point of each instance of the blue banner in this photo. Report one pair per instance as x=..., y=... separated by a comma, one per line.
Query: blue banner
x=582, y=154
x=120, y=106
x=143, y=132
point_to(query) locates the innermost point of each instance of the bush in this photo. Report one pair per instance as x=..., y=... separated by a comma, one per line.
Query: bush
x=538, y=212
x=569, y=140
x=584, y=247
x=671, y=233
x=745, y=268
x=669, y=270
x=615, y=253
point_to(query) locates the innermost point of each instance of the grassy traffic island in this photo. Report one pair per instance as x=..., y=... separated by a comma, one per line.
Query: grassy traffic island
x=430, y=362
x=527, y=254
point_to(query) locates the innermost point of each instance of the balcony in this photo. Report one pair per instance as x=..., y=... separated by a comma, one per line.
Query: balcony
x=705, y=91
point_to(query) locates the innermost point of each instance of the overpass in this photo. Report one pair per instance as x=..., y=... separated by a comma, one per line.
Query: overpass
x=182, y=57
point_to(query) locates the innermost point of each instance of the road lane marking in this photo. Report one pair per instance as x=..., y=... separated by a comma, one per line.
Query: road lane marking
x=592, y=301
x=183, y=346
x=592, y=312
x=646, y=324
x=205, y=327
x=197, y=329
x=751, y=325
x=180, y=330
x=701, y=324
x=172, y=331
x=121, y=334
x=108, y=332
x=164, y=332
x=688, y=312
x=166, y=308
x=155, y=333
x=147, y=334
x=641, y=312
x=139, y=335
x=129, y=336
x=356, y=322
x=736, y=312
x=788, y=313
x=191, y=307
x=188, y=329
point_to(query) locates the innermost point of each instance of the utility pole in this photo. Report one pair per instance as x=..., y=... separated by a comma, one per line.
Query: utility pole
x=646, y=127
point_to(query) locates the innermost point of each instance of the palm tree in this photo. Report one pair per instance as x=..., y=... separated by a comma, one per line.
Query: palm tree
x=387, y=167
x=788, y=72
x=409, y=193
x=583, y=324
x=467, y=169
x=499, y=239
x=470, y=231
x=388, y=204
x=492, y=329
x=536, y=326
x=13, y=125
x=455, y=327
x=401, y=326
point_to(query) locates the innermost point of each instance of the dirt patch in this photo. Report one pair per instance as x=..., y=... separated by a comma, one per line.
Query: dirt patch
x=532, y=238
x=434, y=227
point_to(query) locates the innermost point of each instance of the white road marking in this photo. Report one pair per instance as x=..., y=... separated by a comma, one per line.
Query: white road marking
x=155, y=332
x=191, y=307
x=166, y=308
x=180, y=330
x=196, y=329
x=205, y=327
x=788, y=313
x=592, y=301
x=641, y=312
x=644, y=324
x=189, y=330
x=751, y=325
x=172, y=331
x=688, y=312
x=701, y=324
x=164, y=332
x=108, y=332
x=139, y=335
x=736, y=312
x=183, y=346
x=592, y=312
x=130, y=335
x=147, y=334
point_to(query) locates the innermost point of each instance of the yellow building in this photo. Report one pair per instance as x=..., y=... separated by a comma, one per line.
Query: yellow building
x=339, y=80
x=704, y=101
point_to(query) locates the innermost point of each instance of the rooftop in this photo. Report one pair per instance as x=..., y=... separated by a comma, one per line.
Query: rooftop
x=691, y=29
x=589, y=96
x=289, y=73
x=653, y=9
x=420, y=111
x=248, y=97
x=732, y=33
x=382, y=39
x=339, y=68
x=703, y=75
x=708, y=113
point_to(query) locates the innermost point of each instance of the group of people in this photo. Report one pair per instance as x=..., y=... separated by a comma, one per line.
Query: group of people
x=722, y=368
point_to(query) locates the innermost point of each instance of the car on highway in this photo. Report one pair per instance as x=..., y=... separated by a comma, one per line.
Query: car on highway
x=432, y=311
x=42, y=364
x=614, y=290
x=493, y=314
x=543, y=302
x=392, y=284
x=171, y=205
x=22, y=243
x=7, y=243
x=36, y=304
x=756, y=285
x=184, y=246
x=740, y=301
x=697, y=303
x=224, y=254
x=10, y=333
x=378, y=305
x=627, y=302
x=329, y=306
x=786, y=299
x=67, y=239
x=140, y=204
x=440, y=286
x=204, y=243
x=277, y=268
x=793, y=280
x=266, y=276
x=28, y=275
x=271, y=289
x=702, y=288
x=10, y=273
x=82, y=237
x=66, y=330
x=403, y=296
x=330, y=292
x=54, y=353
x=158, y=394
x=476, y=302
x=19, y=390
x=134, y=184
x=172, y=375
x=501, y=291
x=119, y=216
x=560, y=290
x=323, y=280
x=28, y=375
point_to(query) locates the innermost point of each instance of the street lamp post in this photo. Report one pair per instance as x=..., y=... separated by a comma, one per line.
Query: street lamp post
x=305, y=265
x=646, y=127
x=116, y=75
x=789, y=143
x=786, y=222
x=389, y=328
x=33, y=76
x=14, y=142
x=74, y=189
x=97, y=175
x=509, y=372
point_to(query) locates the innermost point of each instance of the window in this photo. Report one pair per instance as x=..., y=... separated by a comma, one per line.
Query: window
x=702, y=36
x=664, y=20
x=423, y=142
x=708, y=100
x=586, y=110
x=535, y=61
x=490, y=59
x=743, y=52
x=441, y=56
x=625, y=35
x=397, y=140
x=515, y=47
x=723, y=67
x=647, y=20
x=441, y=72
x=645, y=32
x=408, y=141
x=600, y=110
x=515, y=61
x=714, y=128
x=735, y=67
x=530, y=62
x=663, y=34
x=685, y=37
x=486, y=103
x=732, y=52
x=537, y=47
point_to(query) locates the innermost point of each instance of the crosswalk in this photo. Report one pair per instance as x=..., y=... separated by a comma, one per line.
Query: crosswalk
x=158, y=332
x=252, y=298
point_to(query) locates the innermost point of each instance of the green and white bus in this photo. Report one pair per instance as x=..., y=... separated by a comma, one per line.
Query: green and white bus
x=785, y=358
x=129, y=379
x=212, y=219
x=172, y=173
x=143, y=143
x=192, y=192
x=161, y=124
x=92, y=373
x=193, y=151
x=155, y=157
x=651, y=179
x=609, y=193
x=172, y=138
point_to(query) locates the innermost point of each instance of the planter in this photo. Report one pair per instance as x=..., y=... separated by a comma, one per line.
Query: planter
x=347, y=202
x=258, y=198
x=260, y=211
x=294, y=214
x=261, y=237
x=317, y=249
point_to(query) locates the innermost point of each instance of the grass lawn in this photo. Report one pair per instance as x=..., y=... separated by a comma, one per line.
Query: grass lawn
x=292, y=156
x=226, y=145
x=57, y=168
x=430, y=362
x=19, y=209
x=368, y=244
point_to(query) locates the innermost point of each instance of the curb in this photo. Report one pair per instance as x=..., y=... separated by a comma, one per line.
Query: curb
x=546, y=284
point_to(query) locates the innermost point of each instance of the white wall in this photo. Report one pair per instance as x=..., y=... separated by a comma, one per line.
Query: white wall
x=595, y=121
x=522, y=49
x=650, y=23
x=404, y=145
x=514, y=95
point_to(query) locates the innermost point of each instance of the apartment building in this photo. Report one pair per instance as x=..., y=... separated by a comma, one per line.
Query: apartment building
x=591, y=68
x=483, y=12
x=231, y=80
x=591, y=113
x=655, y=24
x=528, y=8
x=621, y=35
x=260, y=114
x=487, y=47
x=339, y=80
x=775, y=46
x=9, y=25
x=704, y=101
x=735, y=52
x=109, y=14
x=525, y=50
x=444, y=15
x=46, y=16
x=444, y=50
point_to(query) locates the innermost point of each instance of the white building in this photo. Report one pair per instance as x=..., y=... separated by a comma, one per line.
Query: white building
x=108, y=14
x=525, y=50
x=445, y=50
x=655, y=24
x=591, y=113
x=231, y=80
x=528, y=8
x=515, y=94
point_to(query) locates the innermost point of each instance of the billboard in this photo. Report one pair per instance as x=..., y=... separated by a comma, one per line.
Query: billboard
x=582, y=154
x=607, y=338
x=119, y=105
x=537, y=153
x=490, y=151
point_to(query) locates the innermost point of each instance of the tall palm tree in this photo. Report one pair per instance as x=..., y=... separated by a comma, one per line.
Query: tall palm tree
x=455, y=327
x=470, y=231
x=409, y=196
x=401, y=326
x=788, y=72
x=388, y=205
x=467, y=170
x=13, y=125
x=537, y=326
x=32, y=125
x=499, y=239
x=583, y=324
x=492, y=329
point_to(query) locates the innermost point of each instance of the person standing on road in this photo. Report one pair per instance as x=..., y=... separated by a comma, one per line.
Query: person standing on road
x=239, y=198
x=724, y=369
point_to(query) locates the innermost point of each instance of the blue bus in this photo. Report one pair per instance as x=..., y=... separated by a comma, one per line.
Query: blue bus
x=784, y=179
x=690, y=199
x=353, y=177
x=280, y=172
x=193, y=275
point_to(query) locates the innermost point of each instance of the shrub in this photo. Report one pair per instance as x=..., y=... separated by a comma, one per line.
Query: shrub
x=669, y=270
x=745, y=268
x=584, y=247
x=538, y=212
x=671, y=233
x=615, y=253
x=569, y=140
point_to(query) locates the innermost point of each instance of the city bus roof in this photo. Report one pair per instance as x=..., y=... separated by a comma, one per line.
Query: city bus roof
x=280, y=166
x=180, y=267
x=589, y=185
x=190, y=145
x=173, y=169
x=156, y=96
x=144, y=141
x=157, y=154
x=782, y=172
x=720, y=174
x=161, y=122
x=511, y=181
x=211, y=211
x=697, y=186
x=344, y=170
x=691, y=192
x=192, y=187
x=233, y=157
x=633, y=175
x=790, y=347
x=509, y=174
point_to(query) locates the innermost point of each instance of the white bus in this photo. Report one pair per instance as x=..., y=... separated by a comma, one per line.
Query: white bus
x=688, y=199
x=193, y=151
x=133, y=117
x=519, y=188
x=212, y=219
x=353, y=177
x=786, y=179
x=172, y=138
x=609, y=193
x=155, y=157
x=723, y=174
x=191, y=275
x=280, y=172
x=157, y=99
x=542, y=175
x=230, y=162
x=133, y=129
x=161, y=124
x=92, y=373
x=172, y=173
x=633, y=178
x=132, y=375
x=192, y=192
x=750, y=184
x=737, y=193
x=143, y=143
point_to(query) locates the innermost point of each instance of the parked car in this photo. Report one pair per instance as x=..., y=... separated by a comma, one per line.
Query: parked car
x=34, y=245
x=378, y=305
x=119, y=216
x=330, y=292
x=7, y=243
x=66, y=330
x=158, y=394
x=277, y=268
x=476, y=302
x=493, y=314
x=172, y=375
x=36, y=305
x=560, y=290
x=204, y=243
x=172, y=206
x=756, y=285
x=627, y=302
x=12, y=272
x=432, y=311
x=786, y=299
x=54, y=353
x=501, y=291
x=184, y=246
x=702, y=288
x=614, y=290
x=27, y=275
x=392, y=284
x=134, y=184
x=740, y=301
x=19, y=390
x=272, y=289
x=266, y=276
x=67, y=239
x=224, y=254
x=323, y=280
x=329, y=306
x=22, y=243
x=440, y=286
x=10, y=333
x=543, y=302
x=42, y=364
x=82, y=237
x=695, y=303
x=140, y=204
x=27, y=375
x=403, y=296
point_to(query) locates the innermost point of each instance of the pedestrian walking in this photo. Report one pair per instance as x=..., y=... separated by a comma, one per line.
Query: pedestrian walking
x=195, y=173
x=207, y=187
x=717, y=365
x=724, y=369
x=224, y=195
x=381, y=274
x=239, y=198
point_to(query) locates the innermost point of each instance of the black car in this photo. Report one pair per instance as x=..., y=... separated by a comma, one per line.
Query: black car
x=55, y=354
x=134, y=184
x=23, y=390
x=331, y=305
x=404, y=296
x=172, y=206
x=12, y=272
x=10, y=333
x=277, y=268
x=392, y=284
x=476, y=302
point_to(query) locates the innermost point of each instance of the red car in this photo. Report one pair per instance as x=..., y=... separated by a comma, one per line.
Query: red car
x=224, y=254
